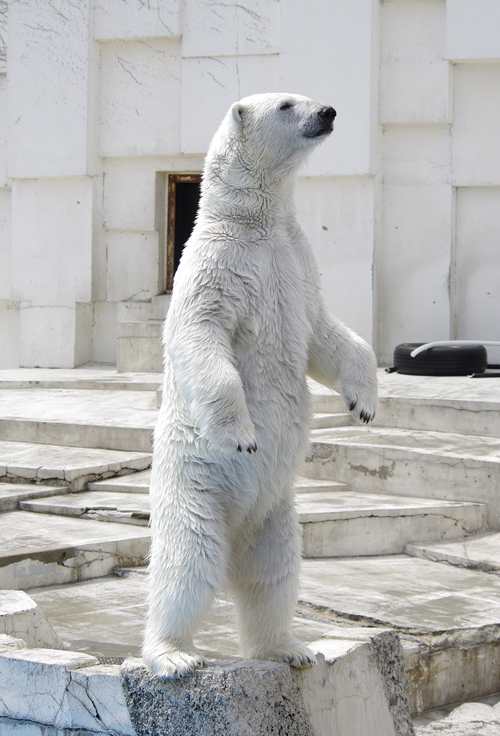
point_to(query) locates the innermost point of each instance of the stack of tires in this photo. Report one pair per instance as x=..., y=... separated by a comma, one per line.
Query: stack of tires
x=446, y=360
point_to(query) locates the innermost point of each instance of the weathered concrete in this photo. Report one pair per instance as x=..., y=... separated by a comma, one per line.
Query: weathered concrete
x=333, y=525
x=115, y=420
x=73, y=466
x=475, y=553
x=21, y=618
x=11, y=494
x=348, y=691
x=64, y=550
x=470, y=719
x=409, y=462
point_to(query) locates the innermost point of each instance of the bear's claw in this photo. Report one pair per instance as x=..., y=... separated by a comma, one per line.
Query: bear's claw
x=251, y=448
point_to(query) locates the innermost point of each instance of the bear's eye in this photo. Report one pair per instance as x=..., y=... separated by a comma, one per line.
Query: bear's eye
x=286, y=106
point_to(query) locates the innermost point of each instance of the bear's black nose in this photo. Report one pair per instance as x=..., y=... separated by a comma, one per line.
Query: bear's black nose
x=328, y=114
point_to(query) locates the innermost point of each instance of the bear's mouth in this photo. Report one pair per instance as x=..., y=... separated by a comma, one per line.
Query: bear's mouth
x=323, y=131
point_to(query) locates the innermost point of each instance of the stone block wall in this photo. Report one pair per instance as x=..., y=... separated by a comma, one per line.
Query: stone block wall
x=98, y=101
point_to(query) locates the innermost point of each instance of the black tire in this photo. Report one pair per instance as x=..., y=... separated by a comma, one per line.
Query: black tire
x=448, y=360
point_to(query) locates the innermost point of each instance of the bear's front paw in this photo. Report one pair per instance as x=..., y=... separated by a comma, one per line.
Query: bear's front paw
x=233, y=437
x=362, y=402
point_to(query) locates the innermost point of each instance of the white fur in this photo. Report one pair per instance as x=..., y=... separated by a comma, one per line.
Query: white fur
x=245, y=325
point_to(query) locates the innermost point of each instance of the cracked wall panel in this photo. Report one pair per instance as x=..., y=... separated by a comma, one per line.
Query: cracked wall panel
x=477, y=265
x=230, y=28
x=211, y=85
x=327, y=54
x=472, y=29
x=414, y=75
x=337, y=215
x=132, y=271
x=114, y=19
x=52, y=229
x=140, y=92
x=47, y=83
x=476, y=143
x=413, y=266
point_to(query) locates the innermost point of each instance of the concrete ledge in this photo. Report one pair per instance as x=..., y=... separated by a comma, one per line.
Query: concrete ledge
x=356, y=688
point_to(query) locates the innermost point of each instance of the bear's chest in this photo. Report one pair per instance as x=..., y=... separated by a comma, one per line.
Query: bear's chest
x=274, y=316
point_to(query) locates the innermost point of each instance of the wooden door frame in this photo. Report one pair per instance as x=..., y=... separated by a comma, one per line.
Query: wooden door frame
x=172, y=181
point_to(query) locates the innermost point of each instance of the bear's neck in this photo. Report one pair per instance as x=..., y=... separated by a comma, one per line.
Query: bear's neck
x=253, y=202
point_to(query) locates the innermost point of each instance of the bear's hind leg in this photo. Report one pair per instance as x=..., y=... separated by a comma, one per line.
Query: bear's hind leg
x=187, y=568
x=265, y=584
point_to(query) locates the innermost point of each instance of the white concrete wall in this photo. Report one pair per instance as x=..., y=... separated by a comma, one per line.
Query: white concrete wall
x=401, y=203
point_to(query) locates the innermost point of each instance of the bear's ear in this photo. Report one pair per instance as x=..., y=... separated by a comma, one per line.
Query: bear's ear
x=237, y=112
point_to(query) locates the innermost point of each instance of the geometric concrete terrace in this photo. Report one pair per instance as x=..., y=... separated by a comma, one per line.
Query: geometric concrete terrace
x=390, y=515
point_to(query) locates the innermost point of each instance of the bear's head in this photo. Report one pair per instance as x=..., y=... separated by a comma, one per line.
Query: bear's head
x=270, y=135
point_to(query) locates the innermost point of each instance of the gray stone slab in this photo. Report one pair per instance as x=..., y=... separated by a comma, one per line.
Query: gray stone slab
x=12, y=493
x=62, y=549
x=133, y=483
x=402, y=591
x=22, y=619
x=99, y=505
x=120, y=420
x=477, y=553
x=73, y=465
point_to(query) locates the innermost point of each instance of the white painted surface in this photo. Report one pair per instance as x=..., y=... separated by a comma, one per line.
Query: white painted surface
x=327, y=53
x=132, y=271
x=230, y=29
x=5, y=243
x=211, y=84
x=476, y=140
x=337, y=215
x=477, y=265
x=414, y=75
x=139, y=81
x=52, y=232
x=472, y=29
x=115, y=19
x=48, y=63
x=145, y=86
x=9, y=334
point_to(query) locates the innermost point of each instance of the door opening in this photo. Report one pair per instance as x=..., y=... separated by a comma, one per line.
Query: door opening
x=183, y=197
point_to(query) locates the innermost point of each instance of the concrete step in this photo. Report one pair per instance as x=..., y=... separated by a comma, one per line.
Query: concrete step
x=98, y=378
x=410, y=462
x=130, y=508
x=481, y=552
x=357, y=524
x=139, y=483
x=333, y=524
x=64, y=550
x=11, y=494
x=115, y=420
x=448, y=618
x=322, y=420
x=62, y=466
x=133, y=483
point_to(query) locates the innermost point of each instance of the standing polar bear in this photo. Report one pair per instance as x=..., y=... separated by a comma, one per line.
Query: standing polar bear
x=245, y=326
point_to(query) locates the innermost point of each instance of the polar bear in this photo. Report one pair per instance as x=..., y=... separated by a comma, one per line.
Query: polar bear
x=245, y=325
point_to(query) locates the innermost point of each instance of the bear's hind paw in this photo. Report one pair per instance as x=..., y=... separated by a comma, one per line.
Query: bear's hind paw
x=290, y=651
x=175, y=663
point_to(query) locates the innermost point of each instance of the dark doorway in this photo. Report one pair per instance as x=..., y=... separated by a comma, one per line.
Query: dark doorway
x=183, y=198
